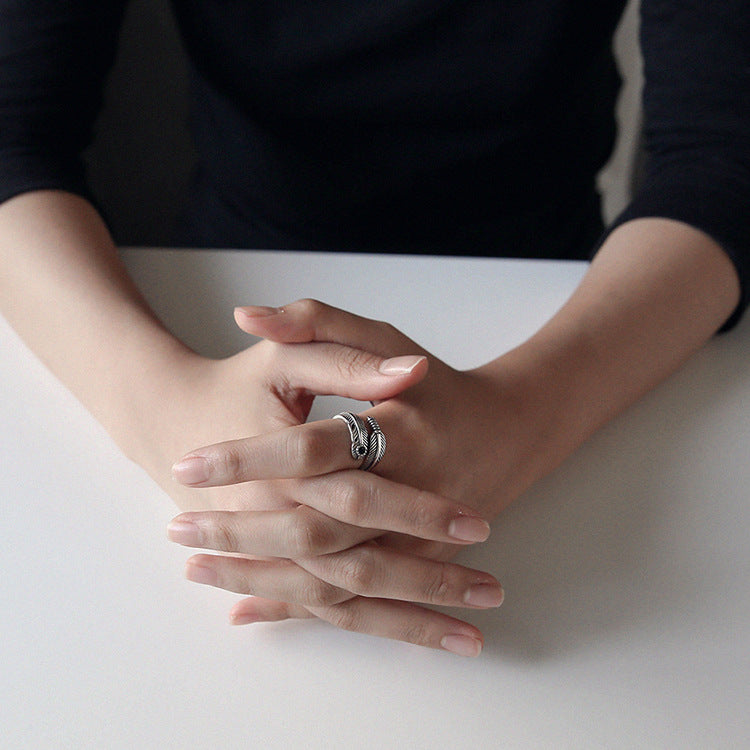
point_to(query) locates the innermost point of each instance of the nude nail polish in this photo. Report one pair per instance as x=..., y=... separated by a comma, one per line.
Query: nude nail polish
x=192, y=470
x=399, y=365
x=243, y=619
x=200, y=574
x=184, y=532
x=258, y=311
x=469, y=529
x=484, y=595
x=463, y=645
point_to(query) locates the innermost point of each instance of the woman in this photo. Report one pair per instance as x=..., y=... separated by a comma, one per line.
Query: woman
x=421, y=126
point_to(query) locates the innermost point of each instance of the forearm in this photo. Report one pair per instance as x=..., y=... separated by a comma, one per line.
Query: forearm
x=654, y=294
x=65, y=291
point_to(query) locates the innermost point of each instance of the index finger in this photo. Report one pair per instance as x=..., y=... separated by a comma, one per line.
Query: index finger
x=301, y=451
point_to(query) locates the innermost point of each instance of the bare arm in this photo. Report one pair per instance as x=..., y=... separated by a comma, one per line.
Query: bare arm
x=654, y=294
x=66, y=292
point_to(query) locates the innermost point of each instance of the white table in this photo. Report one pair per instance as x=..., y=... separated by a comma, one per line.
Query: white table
x=627, y=617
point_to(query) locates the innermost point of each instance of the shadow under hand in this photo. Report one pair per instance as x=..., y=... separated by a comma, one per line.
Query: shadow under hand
x=623, y=540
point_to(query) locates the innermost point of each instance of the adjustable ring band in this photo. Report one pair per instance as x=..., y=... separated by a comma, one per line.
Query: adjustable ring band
x=366, y=445
x=357, y=433
x=376, y=447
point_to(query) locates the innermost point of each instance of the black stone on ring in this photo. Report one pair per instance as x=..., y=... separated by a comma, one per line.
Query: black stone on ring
x=367, y=445
x=357, y=433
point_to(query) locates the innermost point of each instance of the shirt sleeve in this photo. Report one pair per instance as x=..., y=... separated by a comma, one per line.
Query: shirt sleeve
x=696, y=105
x=54, y=60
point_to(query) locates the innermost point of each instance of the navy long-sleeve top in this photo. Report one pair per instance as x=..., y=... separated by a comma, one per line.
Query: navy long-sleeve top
x=444, y=126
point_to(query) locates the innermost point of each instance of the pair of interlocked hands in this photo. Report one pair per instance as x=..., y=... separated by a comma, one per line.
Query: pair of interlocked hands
x=312, y=536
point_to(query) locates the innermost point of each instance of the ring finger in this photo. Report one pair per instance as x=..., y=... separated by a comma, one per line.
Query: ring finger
x=373, y=571
x=366, y=570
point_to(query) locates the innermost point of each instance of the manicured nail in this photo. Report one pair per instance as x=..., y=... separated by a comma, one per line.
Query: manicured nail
x=192, y=470
x=469, y=529
x=200, y=574
x=258, y=311
x=400, y=365
x=242, y=619
x=185, y=532
x=463, y=645
x=484, y=595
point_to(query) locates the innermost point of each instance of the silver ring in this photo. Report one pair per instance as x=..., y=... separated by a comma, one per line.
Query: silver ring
x=376, y=447
x=366, y=445
x=357, y=432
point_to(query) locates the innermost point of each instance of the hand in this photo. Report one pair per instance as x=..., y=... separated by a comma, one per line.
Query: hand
x=326, y=571
x=414, y=417
x=261, y=389
x=467, y=435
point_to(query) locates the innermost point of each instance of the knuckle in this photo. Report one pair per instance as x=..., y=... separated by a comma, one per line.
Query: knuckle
x=357, y=571
x=267, y=349
x=417, y=633
x=224, y=537
x=353, y=362
x=308, y=308
x=347, y=502
x=319, y=593
x=420, y=512
x=310, y=536
x=231, y=463
x=438, y=584
x=346, y=616
x=304, y=449
x=388, y=330
x=272, y=365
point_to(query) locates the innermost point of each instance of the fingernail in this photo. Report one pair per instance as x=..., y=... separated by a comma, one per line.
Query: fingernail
x=469, y=529
x=258, y=311
x=192, y=470
x=399, y=365
x=200, y=574
x=242, y=619
x=184, y=532
x=484, y=595
x=463, y=645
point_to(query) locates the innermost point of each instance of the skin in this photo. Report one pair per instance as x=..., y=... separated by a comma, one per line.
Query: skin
x=314, y=536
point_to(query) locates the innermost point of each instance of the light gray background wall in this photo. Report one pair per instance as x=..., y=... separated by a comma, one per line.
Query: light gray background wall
x=140, y=161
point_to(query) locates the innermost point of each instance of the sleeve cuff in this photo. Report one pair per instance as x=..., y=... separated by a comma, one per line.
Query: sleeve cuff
x=715, y=201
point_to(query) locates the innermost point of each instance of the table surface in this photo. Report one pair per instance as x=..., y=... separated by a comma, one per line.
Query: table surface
x=627, y=617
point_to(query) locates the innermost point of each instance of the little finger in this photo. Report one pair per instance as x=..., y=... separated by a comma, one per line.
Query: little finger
x=257, y=609
x=403, y=621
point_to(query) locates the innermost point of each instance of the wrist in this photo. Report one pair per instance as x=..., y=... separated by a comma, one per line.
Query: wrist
x=538, y=399
x=654, y=294
x=147, y=397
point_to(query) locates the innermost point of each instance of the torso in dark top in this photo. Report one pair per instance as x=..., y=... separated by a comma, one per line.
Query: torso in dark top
x=420, y=126
x=461, y=126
